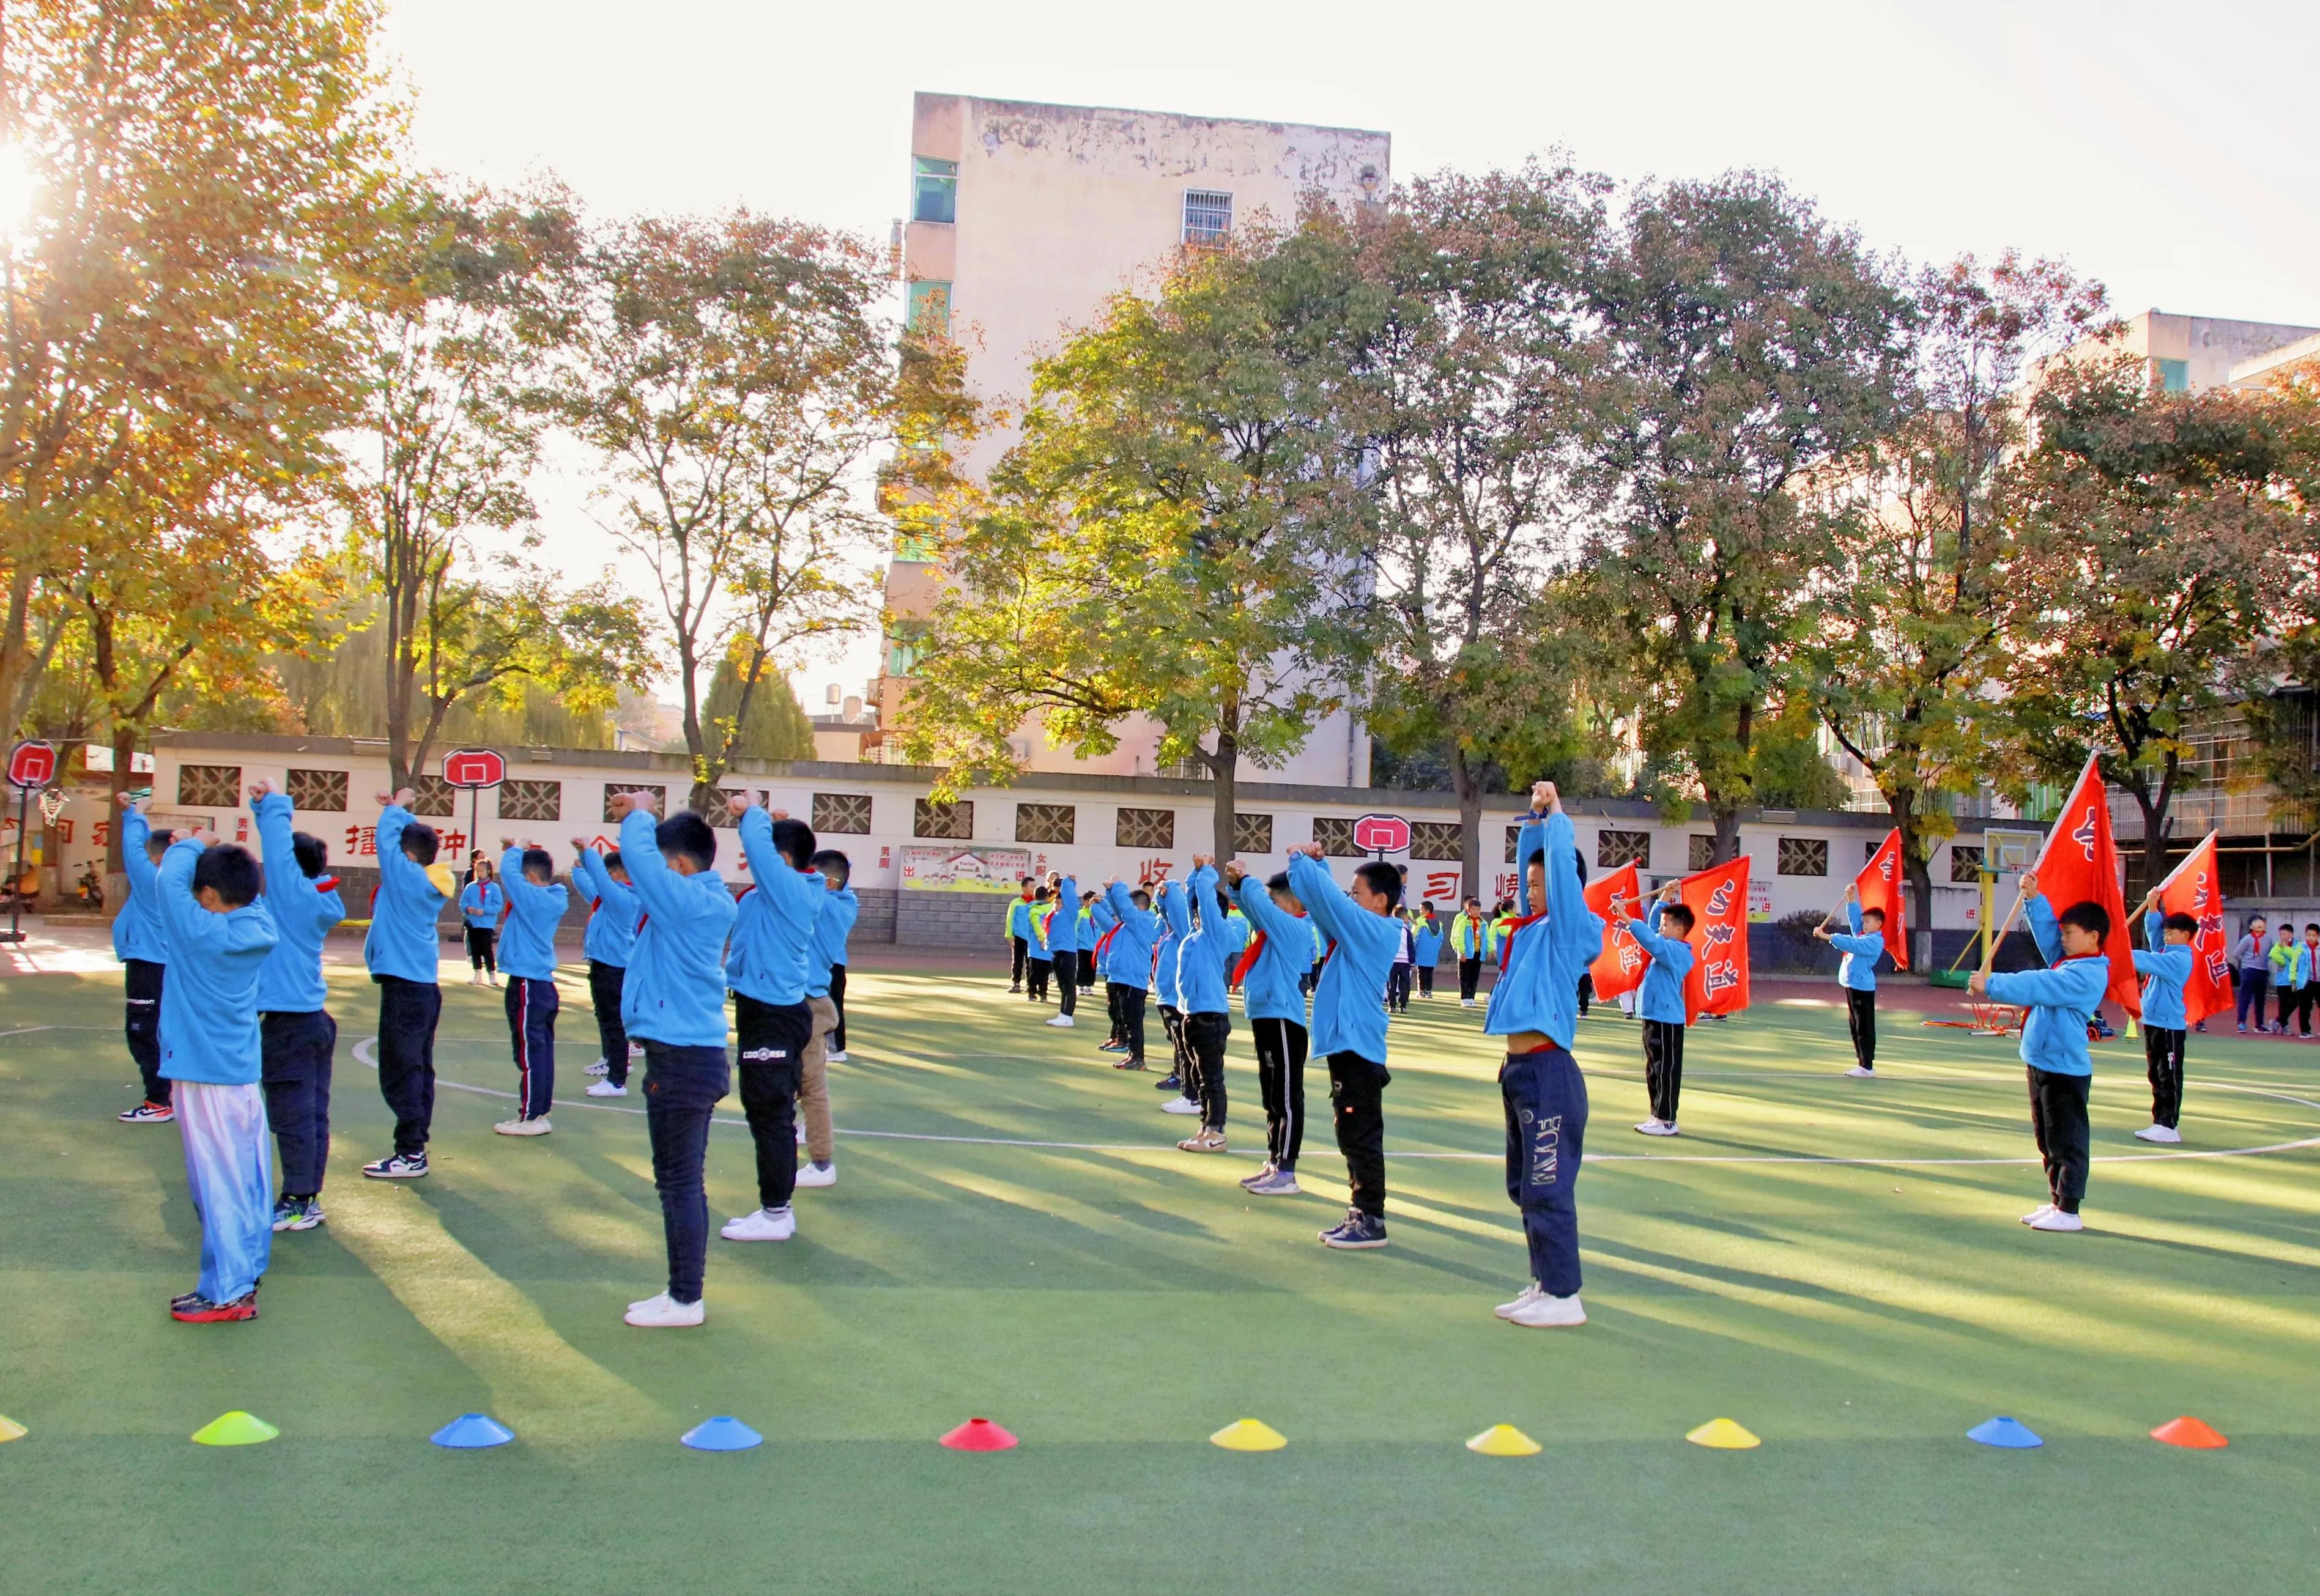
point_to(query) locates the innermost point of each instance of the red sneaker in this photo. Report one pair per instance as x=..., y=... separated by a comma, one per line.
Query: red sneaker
x=200, y=1310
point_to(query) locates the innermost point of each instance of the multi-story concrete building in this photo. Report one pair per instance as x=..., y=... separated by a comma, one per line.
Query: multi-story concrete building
x=1024, y=219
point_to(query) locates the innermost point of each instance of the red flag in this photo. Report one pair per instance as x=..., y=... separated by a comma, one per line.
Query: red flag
x=2192, y=888
x=2079, y=864
x=1718, y=901
x=1880, y=887
x=1619, y=968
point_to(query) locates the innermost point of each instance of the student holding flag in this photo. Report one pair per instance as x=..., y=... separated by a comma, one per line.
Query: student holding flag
x=2166, y=963
x=1863, y=944
x=1662, y=1003
x=1272, y=975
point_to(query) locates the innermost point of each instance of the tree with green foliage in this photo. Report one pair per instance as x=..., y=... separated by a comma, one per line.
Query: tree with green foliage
x=1178, y=531
x=2160, y=541
x=1913, y=620
x=777, y=726
x=737, y=379
x=1475, y=382
x=1745, y=345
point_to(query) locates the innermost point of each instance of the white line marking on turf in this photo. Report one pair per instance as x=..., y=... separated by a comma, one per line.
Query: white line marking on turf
x=365, y=1052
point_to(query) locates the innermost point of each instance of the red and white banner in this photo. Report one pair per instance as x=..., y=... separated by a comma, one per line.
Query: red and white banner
x=1717, y=898
x=1880, y=887
x=2079, y=864
x=2192, y=888
x=1619, y=968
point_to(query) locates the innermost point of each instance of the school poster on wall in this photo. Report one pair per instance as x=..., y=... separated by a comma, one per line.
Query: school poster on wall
x=964, y=870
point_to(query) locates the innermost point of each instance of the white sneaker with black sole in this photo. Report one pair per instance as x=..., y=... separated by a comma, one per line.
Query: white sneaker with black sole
x=666, y=1312
x=605, y=1088
x=766, y=1224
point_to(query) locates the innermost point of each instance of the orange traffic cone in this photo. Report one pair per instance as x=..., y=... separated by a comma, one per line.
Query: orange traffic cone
x=2188, y=1431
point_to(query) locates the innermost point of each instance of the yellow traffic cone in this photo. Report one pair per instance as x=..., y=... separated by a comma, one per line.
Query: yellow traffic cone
x=10, y=1430
x=1249, y=1435
x=1723, y=1435
x=1503, y=1441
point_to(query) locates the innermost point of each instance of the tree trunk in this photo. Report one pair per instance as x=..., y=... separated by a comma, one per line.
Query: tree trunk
x=1917, y=871
x=1727, y=830
x=116, y=874
x=696, y=741
x=1470, y=821
x=1224, y=770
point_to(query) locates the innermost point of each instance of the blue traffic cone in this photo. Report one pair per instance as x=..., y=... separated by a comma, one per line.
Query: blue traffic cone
x=470, y=1431
x=2002, y=1431
x=721, y=1434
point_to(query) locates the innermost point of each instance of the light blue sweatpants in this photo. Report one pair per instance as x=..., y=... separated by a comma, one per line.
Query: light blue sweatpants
x=230, y=1169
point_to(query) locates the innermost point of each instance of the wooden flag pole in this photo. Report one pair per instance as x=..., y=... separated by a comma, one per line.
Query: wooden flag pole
x=1989, y=950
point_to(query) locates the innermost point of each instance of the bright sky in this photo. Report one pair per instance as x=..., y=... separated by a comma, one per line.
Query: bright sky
x=2166, y=150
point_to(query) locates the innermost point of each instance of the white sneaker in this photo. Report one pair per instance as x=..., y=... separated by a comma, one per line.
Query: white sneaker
x=476, y=980
x=604, y=1088
x=2167, y=1134
x=666, y=1312
x=817, y=1175
x=1065, y=1020
x=2054, y=1219
x=1466, y=1002
x=837, y=1057
x=1180, y=1106
x=598, y=1068
x=766, y=1224
x=539, y=1127
x=1862, y=1072
x=2037, y=1213
x=1506, y=1309
x=1658, y=1127
x=1545, y=1312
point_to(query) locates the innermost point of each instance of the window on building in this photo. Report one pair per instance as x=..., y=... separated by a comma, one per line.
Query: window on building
x=1617, y=848
x=1336, y=835
x=721, y=813
x=1144, y=828
x=1514, y=841
x=1044, y=822
x=210, y=787
x=914, y=547
x=433, y=796
x=313, y=791
x=1252, y=833
x=1436, y=839
x=613, y=791
x=903, y=655
x=846, y=812
x=934, y=189
x=1965, y=864
x=1803, y=856
x=951, y=822
x=2175, y=375
x=1703, y=850
x=928, y=311
x=1208, y=216
x=531, y=800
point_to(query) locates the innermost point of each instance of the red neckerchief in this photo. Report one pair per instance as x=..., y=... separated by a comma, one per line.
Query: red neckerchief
x=1506, y=942
x=326, y=884
x=1104, y=940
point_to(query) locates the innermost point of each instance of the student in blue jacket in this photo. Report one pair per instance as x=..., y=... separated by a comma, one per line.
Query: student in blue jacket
x=1364, y=929
x=766, y=969
x=1019, y=934
x=1553, y=940
x=1176, y=906
x=536, y=902
x=825, y=970
x=219, y=933
x=143, y=953
x=1201, y=968
x=1036, y=964
x=402, y=953
x=1064, y=949
x=2061, y=1001
x=1102, y=921
x=1426, y=936
x=298, y=1038
x=2165, y=965
x=1271, y=975
x=612, y=932
x=1863, y=944
x=1660, y=1004
x=1131, y=965
x=674, y=1002
x=483, y=904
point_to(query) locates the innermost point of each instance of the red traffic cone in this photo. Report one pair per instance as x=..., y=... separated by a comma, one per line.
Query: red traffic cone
x=2188, y=1431
x=979, y=1435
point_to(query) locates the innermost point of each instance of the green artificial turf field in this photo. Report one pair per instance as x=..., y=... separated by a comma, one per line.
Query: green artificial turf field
x=1113, y=1301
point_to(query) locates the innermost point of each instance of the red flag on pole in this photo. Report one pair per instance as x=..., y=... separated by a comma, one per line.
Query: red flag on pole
x=1619, y=968
x=1718, y=901
x=1881, y=888
x=2193, y=888
x=2079, y=864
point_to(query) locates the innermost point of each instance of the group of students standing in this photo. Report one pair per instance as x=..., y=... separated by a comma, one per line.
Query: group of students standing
x=226, y=1015
x=2285, y=970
